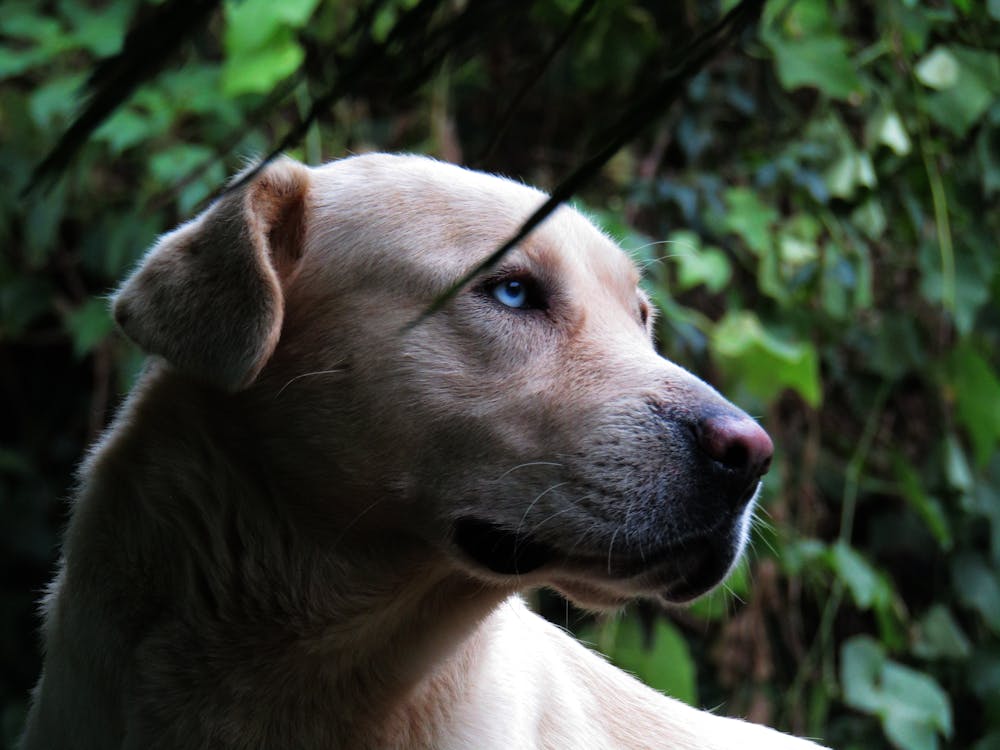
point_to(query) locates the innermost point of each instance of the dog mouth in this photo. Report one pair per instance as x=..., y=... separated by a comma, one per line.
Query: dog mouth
x=676, y=572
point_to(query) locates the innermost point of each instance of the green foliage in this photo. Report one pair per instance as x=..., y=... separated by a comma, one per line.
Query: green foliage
x=660, y=658
x=817, y=221
x=912, y=706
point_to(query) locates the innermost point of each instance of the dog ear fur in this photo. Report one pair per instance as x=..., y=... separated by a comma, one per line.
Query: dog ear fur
x=208, y=296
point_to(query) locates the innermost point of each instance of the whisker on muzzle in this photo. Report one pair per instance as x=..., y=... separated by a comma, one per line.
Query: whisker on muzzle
x=526, y=465
x=308, y=375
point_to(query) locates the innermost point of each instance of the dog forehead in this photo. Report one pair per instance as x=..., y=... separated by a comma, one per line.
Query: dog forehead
x=440, y=220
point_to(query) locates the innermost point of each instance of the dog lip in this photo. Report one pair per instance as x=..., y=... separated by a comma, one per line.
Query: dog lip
x=676, y=572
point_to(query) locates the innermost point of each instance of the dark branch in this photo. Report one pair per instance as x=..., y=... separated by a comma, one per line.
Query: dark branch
x=647, y=107
x=150, y=42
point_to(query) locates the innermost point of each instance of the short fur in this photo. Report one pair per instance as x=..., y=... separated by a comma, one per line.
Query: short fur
x=309, y=522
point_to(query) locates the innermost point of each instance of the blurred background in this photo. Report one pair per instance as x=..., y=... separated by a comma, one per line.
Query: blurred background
x=817, y=216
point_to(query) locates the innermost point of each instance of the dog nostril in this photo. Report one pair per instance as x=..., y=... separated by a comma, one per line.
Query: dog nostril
x=737, y=443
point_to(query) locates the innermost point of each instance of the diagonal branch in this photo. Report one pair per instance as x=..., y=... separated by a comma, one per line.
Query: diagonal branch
x=147, y=47
x=581, y=12
x=646, y=108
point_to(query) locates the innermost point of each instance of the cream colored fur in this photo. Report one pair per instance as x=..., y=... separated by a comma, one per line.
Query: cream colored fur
x=262, y=552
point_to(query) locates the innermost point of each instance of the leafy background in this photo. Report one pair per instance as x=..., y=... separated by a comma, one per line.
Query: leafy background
x=818, y=219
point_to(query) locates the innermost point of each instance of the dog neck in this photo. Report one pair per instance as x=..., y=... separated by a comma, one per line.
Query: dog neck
x=233, y=612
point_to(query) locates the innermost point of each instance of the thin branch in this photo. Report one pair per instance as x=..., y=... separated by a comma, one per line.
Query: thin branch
x=147, y=47
x=260, y=112
x=369, y=56
x=581, y=12
x=646, y=108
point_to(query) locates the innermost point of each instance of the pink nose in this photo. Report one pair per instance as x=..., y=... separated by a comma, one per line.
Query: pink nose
x=737, y=443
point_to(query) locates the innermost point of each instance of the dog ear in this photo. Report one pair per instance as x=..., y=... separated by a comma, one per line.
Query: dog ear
x=208, y=296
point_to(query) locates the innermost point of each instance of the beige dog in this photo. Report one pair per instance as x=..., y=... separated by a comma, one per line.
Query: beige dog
x=308, y=524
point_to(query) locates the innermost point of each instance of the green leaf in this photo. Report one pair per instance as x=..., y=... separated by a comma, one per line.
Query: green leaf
x=912, y=706
x=667, y=665
x=765, y=363
x=697, y=265
x=251, y=25
x=977, y=587
x=928, y=508
x=55, y=100
x=820, y=61
x=861, y=661
x=127, y=127
x=853, y=170
x=101, y=33
x=938, y=70
x=914, y=699
x=259, y=71
x=751, y=219
x=261, y=47
x=89, y=324
x=957, y=466
x=868, y=587
x=976, y=392
x=889, y=130
x=976, y=86
x=799, y=554
x=940, y=637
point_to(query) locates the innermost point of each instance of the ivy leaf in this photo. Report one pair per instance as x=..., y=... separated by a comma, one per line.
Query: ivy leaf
x=765, y=363
x=751, y=219
x=938, y=70
x=820, y=61
x=911, y=705
x=977, y=587
x=261, y=47
x=928, y=508
x=965, y=100
x=889, y=130
x=258, y=71
x=976, y=391
x=940, y=637
x=868, y=587
x=666, y=665
x=696, y=264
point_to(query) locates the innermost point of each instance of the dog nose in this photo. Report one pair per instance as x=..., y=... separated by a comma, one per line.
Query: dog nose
x=737, y=443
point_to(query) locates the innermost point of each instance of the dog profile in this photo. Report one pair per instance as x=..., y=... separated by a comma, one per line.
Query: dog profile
x=309, y=523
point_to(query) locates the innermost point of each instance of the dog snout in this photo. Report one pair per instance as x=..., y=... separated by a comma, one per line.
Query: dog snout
x=736, y=442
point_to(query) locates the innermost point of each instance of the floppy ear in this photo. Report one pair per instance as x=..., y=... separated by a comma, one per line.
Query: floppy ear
x=208, y=296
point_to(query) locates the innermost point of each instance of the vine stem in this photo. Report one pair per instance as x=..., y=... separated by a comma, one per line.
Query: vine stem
x=818, y=651
x=942, y=224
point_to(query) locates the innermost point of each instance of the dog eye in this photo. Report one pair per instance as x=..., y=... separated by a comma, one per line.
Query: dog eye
x=516, y=290
x=512, y=292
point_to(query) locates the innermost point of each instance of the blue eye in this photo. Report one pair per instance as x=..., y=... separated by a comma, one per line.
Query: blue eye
x=512, y=293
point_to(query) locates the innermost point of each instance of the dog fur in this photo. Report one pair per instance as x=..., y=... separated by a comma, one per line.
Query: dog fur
x=308, y=524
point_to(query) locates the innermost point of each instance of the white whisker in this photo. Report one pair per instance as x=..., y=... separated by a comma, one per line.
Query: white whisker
x=611, y=547
x=531, y=505
x=524, y=465
x=307, y=375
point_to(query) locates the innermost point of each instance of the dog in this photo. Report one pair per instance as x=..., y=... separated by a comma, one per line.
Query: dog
x=308, y=524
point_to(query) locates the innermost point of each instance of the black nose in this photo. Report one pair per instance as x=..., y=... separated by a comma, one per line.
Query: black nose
x=737, y=443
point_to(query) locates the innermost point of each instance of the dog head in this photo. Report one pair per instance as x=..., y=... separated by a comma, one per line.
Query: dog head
x=528, y=433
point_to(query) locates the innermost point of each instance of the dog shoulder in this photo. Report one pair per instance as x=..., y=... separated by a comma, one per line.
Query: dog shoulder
x=558, y=690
